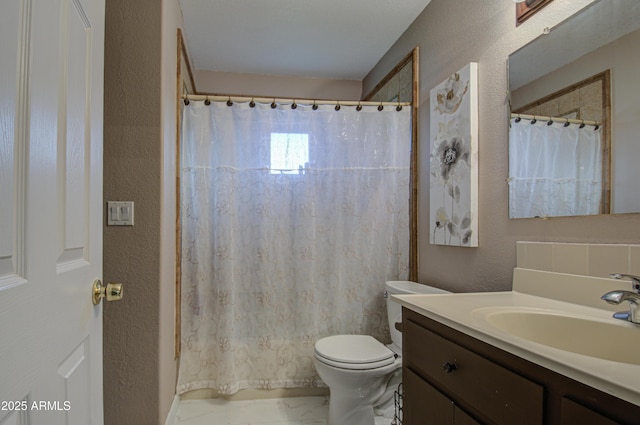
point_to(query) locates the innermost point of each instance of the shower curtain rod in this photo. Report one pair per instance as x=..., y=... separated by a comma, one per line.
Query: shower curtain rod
x=246, y=99
x=567, y=121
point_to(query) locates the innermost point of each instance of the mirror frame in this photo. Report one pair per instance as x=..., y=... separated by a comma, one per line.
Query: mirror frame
x=528, y=8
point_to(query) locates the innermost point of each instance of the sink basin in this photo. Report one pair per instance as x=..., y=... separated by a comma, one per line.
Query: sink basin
x=609, y=340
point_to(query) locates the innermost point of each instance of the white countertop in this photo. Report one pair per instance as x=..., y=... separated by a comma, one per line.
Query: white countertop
x=621, y=380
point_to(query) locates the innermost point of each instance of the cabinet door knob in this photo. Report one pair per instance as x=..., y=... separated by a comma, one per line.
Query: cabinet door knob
x=449, y=367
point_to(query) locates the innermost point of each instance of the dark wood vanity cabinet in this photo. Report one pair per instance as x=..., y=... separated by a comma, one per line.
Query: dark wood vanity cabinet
x=452, y=378
x=426, y=405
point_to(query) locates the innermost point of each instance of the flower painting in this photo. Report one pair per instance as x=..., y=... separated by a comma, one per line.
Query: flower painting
x=454, y=159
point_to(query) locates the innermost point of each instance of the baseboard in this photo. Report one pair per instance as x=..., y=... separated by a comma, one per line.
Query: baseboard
x=173, y=411
x=257, y=394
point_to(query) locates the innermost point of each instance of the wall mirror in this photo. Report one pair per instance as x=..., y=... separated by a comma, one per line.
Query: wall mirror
x=585, y=72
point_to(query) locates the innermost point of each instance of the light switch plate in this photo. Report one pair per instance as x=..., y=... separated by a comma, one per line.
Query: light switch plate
x=119, y=213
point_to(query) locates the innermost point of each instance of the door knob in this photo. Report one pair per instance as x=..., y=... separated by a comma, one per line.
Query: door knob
x=110, y=291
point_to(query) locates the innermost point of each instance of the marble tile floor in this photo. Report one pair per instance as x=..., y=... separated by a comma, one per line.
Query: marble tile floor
x=275, y=411
x=279, y=411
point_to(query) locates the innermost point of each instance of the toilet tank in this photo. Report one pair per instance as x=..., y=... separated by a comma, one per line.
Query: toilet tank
x=394, y=310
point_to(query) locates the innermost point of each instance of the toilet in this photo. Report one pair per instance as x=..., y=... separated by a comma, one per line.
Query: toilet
x=359, y=370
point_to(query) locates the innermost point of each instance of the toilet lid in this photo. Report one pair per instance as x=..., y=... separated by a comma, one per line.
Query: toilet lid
x=354, y=352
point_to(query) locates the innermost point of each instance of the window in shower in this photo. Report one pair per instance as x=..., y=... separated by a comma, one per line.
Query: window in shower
x=289, y=153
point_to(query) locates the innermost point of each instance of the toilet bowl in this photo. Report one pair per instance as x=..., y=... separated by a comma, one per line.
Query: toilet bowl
x=358, y=369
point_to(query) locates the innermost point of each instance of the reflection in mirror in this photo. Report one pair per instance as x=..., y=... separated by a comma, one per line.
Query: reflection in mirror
x=559, y=152
x=584, y=73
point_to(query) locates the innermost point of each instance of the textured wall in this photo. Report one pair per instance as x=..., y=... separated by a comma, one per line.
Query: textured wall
x=139, y=164
x=276, y=86
x=452, y=33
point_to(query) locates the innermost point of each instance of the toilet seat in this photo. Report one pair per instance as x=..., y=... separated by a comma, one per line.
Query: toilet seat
x=355, y=352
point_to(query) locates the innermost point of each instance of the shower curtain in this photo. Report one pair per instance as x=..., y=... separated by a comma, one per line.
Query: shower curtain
x=554, y=170
x=292, y=220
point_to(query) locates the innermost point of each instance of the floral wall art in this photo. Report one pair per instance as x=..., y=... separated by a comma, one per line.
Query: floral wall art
x=454, y=159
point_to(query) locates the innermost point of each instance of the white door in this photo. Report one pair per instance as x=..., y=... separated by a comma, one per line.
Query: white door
x=51, y=84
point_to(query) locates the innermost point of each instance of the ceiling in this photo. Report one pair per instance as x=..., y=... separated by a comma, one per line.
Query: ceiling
x=336, y=39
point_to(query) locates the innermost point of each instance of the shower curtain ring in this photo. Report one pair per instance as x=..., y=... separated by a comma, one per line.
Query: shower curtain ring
x=380, y=107
x=337, y=108
x=359, y=107
x=399, y=108
x=252, y=104
x=229, y=102
x=315, y=106
x=294, y=105
x=273, y=104
x=207, y=101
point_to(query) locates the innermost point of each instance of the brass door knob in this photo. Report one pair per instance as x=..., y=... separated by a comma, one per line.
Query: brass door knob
x=110, y=291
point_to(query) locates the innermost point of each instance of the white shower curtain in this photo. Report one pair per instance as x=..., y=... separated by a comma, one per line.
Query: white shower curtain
x=554, y=170
x=292, y=220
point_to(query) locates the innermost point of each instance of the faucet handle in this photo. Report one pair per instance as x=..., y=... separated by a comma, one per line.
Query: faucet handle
x=635, y=280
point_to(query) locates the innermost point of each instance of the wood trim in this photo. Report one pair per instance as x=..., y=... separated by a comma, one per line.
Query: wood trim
x=178, y=259
x=414, y=185
x=605, y=80
x=606, y=146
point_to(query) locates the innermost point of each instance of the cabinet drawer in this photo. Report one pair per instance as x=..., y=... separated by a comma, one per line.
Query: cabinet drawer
x=472, y=381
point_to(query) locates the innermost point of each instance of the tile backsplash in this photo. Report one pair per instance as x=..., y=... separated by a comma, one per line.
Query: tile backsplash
x=598, y=260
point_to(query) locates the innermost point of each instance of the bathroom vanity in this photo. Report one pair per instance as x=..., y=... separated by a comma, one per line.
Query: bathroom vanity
x=519, y=357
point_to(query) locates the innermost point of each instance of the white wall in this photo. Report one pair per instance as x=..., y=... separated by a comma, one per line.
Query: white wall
x=276, y=86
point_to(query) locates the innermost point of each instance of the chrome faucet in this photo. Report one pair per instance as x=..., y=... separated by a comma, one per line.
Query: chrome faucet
x=633, y=297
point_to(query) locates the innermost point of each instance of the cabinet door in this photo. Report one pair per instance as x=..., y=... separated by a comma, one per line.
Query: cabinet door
x=574, y=414
x=461, y=418
x=423, y=404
